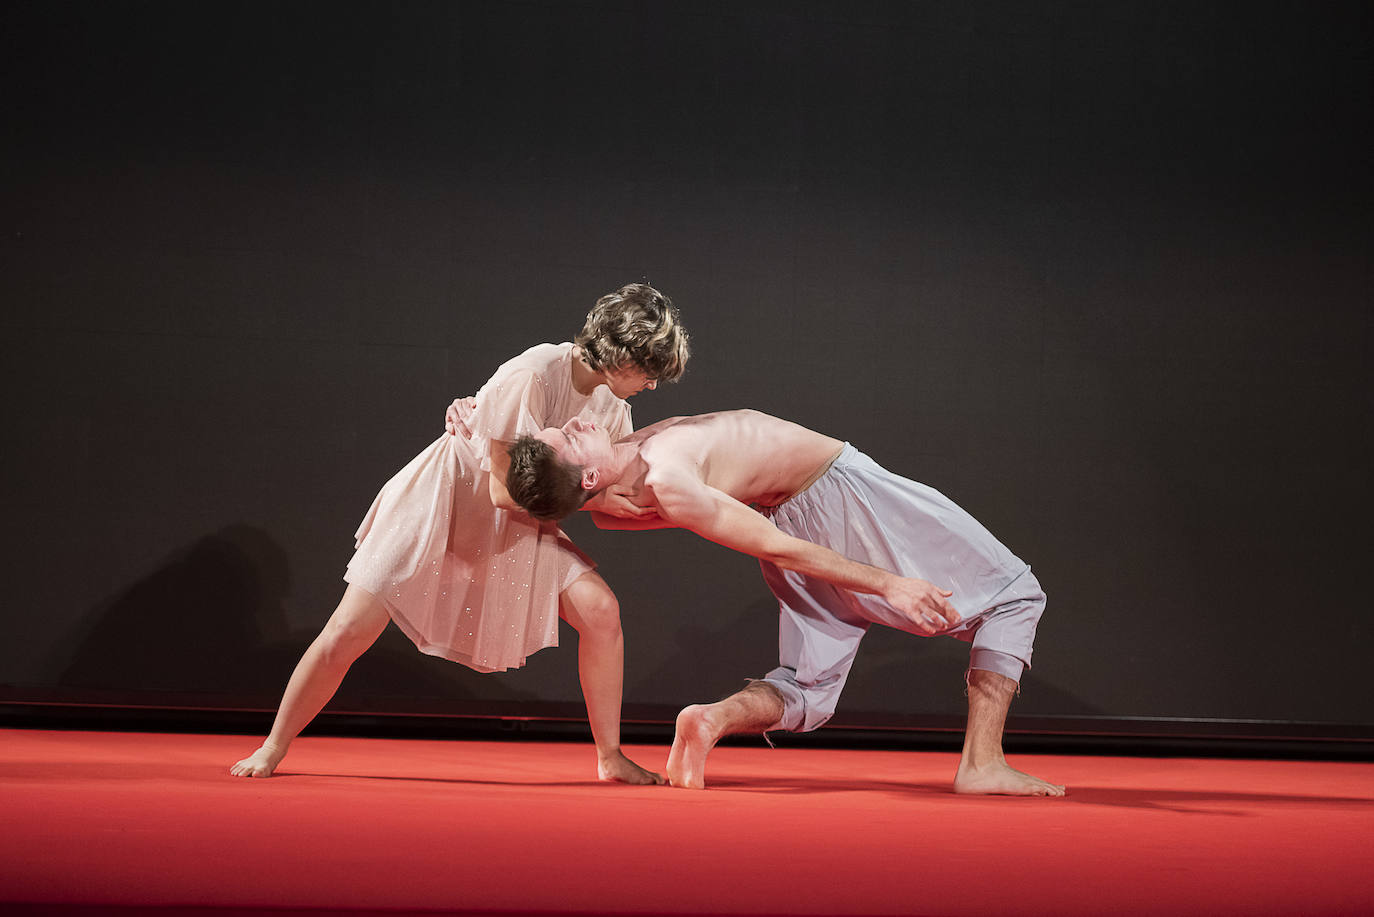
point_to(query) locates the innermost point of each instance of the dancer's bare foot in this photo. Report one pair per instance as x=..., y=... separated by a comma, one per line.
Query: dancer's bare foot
x=260, y=763
x=999, y=778
x=692, y=742
x=619, y=768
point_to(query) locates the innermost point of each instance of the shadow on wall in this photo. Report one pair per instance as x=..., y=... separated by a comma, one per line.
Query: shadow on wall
x=211, y=619
x=905, y=675
x=715, y=655
x=198, y=622
x=895, y=674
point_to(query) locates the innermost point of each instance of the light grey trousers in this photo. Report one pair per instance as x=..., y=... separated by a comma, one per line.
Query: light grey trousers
x=861, y=510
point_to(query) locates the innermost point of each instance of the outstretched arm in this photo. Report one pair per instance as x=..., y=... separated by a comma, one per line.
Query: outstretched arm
x=691, y=504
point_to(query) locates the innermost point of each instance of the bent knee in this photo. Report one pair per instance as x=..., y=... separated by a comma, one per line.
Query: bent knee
x=599, y=617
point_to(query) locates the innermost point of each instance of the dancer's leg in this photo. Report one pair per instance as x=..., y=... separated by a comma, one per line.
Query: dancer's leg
x=701, y=726
x=355, y=625
x=590, y=606
x=982, y=767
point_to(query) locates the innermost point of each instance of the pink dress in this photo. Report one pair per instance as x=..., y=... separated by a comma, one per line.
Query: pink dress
x=463, y=579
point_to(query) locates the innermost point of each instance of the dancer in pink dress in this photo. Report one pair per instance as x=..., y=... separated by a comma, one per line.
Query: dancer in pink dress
x=466, y=574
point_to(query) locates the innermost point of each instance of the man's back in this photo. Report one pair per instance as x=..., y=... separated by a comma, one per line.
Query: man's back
x=753, y=457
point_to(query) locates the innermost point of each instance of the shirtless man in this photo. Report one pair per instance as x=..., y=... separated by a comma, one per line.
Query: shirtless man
x=827, y=503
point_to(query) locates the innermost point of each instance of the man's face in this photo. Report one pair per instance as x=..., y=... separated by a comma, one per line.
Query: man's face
x=579, y=442
x=624, y=381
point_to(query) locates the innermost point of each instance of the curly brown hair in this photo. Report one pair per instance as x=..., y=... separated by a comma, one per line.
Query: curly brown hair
x=635, y=326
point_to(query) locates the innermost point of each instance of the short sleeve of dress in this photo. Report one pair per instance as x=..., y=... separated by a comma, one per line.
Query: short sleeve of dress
x=511, y=405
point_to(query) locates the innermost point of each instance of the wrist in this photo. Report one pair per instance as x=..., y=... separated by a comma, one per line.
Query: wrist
x=879, y=581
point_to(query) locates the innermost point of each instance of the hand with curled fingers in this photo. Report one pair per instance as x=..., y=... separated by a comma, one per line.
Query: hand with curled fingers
x=926, y=605
x=458, y=417
x=616, y=500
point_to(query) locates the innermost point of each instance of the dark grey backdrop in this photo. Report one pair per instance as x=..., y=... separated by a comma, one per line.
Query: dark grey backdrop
x=1101, y=272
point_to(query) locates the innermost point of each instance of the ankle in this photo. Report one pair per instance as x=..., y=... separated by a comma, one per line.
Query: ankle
x=976, y=759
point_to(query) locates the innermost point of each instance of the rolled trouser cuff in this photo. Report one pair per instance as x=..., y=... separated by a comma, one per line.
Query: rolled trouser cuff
x=996, y=661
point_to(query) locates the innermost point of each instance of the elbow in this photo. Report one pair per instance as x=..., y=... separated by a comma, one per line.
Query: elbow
x=779, y=559
x=779, y=556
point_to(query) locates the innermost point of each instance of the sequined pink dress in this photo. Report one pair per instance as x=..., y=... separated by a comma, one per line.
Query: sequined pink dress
x=463, y=579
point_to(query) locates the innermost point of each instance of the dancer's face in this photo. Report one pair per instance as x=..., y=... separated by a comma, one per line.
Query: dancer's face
x=579, y=442
x=624, y=381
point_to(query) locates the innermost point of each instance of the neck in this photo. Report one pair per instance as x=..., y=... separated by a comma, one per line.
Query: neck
x=584, y=378
x=623, y=464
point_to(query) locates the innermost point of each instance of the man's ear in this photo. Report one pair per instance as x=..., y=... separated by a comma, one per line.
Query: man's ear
x=589, y=478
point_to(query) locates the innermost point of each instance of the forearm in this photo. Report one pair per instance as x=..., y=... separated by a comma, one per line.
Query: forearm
x=715, y=515
x=596, y=504
x=726, y=521
x=822, y=563
x=621, y=524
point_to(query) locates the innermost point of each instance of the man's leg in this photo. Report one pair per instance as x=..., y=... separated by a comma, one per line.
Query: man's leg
x=355, y=625
x=590, y=607
x=1002, y=647
x=818, y=637
x=701, y=726
x=982, y=767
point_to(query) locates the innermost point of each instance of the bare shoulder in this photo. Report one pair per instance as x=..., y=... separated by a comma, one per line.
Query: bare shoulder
x=673, y=474
x=667, y=467
x=653, y=430
x=663, y=443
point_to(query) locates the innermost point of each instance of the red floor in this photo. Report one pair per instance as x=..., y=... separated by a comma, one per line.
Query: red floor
x=146, y=820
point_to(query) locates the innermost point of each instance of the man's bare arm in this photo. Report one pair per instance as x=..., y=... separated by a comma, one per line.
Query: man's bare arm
x=691, y=504
x=639, y=524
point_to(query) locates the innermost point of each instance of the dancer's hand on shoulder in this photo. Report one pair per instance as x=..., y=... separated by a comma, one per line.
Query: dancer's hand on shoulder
x=458, y=417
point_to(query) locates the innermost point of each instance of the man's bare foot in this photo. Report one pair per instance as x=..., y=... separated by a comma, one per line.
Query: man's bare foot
x=999, y=778
x=619, y=768
x=260, y=763
x=692, y=742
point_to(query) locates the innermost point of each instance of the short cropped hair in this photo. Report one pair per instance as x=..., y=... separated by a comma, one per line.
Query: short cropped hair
x=635, y=326
x=544, y=485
